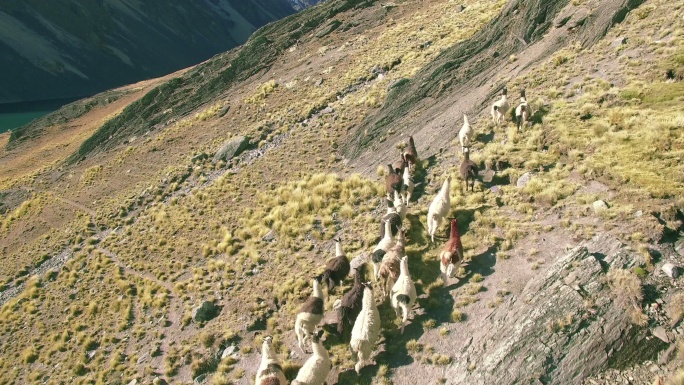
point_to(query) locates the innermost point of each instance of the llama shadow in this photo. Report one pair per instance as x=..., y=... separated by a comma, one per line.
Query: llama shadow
x=464, y=218
x=483, y=263
x=485, y=138
x=418, y=233
x=419, y=177
x=538, y=115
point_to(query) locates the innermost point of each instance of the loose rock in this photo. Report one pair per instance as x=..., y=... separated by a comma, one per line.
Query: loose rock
x=661, y=333
x=228, y=352
x=231, y=149
x=599, y=206
x=523, y=180
x=671, y=270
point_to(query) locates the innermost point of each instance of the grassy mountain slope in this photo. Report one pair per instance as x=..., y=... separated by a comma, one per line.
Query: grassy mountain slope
x=116, y=230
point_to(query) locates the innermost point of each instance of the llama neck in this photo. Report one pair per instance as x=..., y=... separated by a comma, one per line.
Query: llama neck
x=466, y=155
x=400, y=237
x=397, y=199
x=454, y=232
x=404, y=266
x=411, y=145
x=503, y=99
x=445, y=188
x=267, y=352
x=338, y=249
x=388, y=230
x=367, y=298
x=319, y=349
x=317, y=290
x=465, y=119
x=407, y=174
x=358, y=278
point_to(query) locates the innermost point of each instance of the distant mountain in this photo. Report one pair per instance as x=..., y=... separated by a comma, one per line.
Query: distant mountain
x=71, y=48
x=301, y=4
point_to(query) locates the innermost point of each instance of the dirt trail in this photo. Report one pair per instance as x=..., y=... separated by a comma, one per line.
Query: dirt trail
x=77, y=205
x=174, y=315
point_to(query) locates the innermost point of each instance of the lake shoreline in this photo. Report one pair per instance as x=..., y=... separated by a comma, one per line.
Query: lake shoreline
x=18, y=114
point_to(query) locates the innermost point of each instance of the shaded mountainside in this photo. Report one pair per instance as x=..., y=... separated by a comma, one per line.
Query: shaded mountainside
x=62, y=49
x=204, y=83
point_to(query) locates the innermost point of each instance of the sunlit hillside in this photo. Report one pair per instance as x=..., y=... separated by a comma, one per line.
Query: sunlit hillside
x=135, y=249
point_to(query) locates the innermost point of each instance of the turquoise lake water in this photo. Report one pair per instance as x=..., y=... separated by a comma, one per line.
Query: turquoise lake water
x=9, y=121
x=15, y=115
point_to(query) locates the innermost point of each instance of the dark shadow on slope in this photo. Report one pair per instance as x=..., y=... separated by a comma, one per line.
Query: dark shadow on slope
x=419, y=178
x=484, y=263
x=485, y=138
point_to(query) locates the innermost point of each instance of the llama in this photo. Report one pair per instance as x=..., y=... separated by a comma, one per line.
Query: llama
x=499, y=108
x=522, y=112
x=310, y=314
x=389, y=268
x=466, y=133
x=392, y=181
x=400, y=165
x=411, y=155
x=337, y=268
x=386, y=243
x=350, y=305
x=403, y=293
x=316, y=368
x=393, y=217
x=439, y=208
x=408, y=186
x=400, y=205
x=366, y=331
x=468, y=170
x=451, y=255
x=270, y=372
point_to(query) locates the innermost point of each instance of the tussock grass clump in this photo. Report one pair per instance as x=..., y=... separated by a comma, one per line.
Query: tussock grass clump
x=675, y=307
x=91, y=174
x=457, y=316
x=262, y=92
x=293, y=209
x=626, y=289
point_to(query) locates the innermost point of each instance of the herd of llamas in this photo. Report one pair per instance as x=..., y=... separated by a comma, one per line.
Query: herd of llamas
x=358, y=318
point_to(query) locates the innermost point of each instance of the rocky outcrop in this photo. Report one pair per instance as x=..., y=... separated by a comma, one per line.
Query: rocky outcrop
x=231, y=148
x=563, y=327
